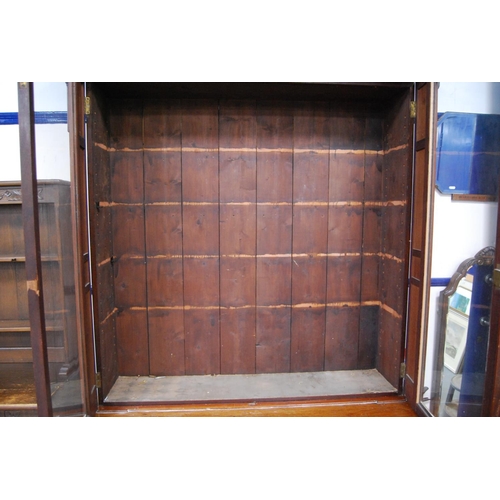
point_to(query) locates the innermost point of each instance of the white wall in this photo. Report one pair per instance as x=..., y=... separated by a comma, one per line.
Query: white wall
x=52, y=140
x=461, y=228
x=469, y=97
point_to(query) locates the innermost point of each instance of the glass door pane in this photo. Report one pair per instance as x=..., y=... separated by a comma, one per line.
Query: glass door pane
x=57, y=246
x=464, y=235
x=17, y=383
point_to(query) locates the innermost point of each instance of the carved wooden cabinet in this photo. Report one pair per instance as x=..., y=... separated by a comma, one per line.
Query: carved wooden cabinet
x=57, y=275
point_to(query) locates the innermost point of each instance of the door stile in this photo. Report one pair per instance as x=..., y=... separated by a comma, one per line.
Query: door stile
x=83, y=288
x=491, y=402
x=32, y=248
x=421, y=234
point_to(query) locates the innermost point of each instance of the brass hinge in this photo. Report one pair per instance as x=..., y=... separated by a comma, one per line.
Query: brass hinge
x=496, y=277
x=98, y=383
x=87, y=105
x=402, y=370
x=413, y=109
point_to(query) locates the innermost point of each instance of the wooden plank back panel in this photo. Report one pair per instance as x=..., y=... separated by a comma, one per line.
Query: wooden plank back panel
x=395, y=229
x=247, y=236
x=101, y=232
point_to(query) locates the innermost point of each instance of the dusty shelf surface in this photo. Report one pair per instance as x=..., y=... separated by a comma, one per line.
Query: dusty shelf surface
x=150, y=389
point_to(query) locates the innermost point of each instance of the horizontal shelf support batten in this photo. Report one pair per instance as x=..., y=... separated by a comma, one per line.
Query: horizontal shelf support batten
x=258, y=150
x=332, y=305
x=367, y=204
x=258, y=256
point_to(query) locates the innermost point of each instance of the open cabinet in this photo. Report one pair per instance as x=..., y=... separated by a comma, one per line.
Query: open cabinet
x=246, y=232
x=241, y=243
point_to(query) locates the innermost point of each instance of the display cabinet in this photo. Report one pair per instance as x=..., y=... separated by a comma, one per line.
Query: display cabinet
x=56, y=242
x=249, y=233
x=251, y=243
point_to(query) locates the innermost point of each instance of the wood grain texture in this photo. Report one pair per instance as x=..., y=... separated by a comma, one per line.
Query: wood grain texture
x=342, y=338
x=238, y=183
x=132, y=342
x=395, y=237
x=129, y=242
x=275, y=121
x=202, y=344
x=374, y=407
x=266, y=229
x=166, y=342
x=200, y=183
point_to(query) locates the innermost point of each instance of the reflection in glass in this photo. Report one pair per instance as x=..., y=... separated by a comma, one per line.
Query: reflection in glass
x=457, y=324
x=460, y=350
x=17, y=382
x=465, y=208
x=56, y=241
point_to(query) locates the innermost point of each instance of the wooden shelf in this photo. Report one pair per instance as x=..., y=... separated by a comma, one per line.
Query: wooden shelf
x=20, y=326
x=21, y=259
x=24, y=355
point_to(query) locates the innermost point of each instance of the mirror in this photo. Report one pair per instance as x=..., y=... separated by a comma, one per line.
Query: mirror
x=463, y=319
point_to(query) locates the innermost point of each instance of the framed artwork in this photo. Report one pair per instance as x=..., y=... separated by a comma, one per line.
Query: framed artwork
x=456, y=339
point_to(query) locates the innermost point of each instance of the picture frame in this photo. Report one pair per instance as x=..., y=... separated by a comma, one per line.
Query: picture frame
x=458, y=324
x=456, y=339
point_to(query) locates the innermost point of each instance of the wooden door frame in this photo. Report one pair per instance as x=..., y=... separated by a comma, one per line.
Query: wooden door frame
x=32, y=248
x=421, y=240
x=77, y=135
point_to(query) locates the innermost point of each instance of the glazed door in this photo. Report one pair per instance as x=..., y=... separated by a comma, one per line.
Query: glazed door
x=457, y=359
x=52, y=211
x=425, y=125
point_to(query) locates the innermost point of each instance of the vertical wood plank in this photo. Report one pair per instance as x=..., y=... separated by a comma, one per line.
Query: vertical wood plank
x=238, y=186
x=274, y=236
x=128, y=226
x=200, y=214
x=163, y=212
x=310, y=228
x=369, y=326
x=341, y=341
x=166, y=339
x=345, y=239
